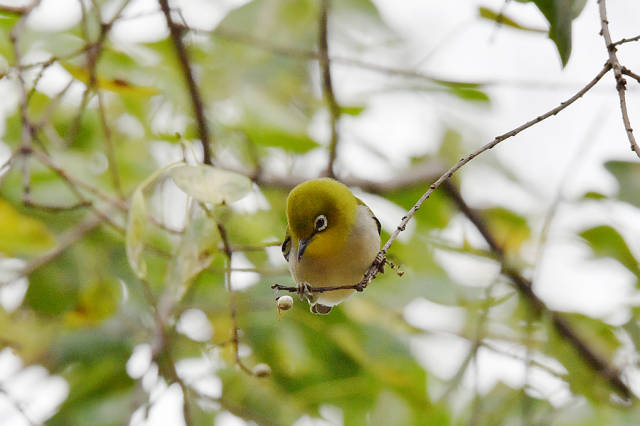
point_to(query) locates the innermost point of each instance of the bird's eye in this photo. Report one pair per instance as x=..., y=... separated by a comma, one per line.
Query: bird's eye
x=321, y=223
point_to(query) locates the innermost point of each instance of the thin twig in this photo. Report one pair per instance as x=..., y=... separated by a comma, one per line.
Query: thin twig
x=375, y=266
x=327, y=86
x=524, y=286
x=310, y=55
x=68, y=239
x=626, y=40
x=196, y=99
x=27, y=130
x=631, y=74
x=235, y=332
x=617, y=72
x=46, y=160
x=111, y=153
x=477, y=342
x=5, y=168
x=53, y=209
x=570, y=170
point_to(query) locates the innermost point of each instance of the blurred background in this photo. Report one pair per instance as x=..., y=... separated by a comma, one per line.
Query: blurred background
x=132, y=294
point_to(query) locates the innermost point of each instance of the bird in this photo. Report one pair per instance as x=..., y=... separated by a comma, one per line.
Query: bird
x=332, y=238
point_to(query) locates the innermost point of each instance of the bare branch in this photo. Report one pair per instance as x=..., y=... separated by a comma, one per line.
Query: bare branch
x=46, y=160
x=235, y=337
x=375, y=267
x=631, y=74
x=523, y=285
x=621, y=83
x=18, y=10
x=68, y=239
x=327, y=86
x=111, y=153
x=310, y=55
x=27, y=130
x=196, y=99
x=626, y=40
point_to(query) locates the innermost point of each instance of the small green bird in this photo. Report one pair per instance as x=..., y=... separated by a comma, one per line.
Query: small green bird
x=331, y=240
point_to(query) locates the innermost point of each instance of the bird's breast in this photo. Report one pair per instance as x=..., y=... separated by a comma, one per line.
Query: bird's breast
x=345, y=266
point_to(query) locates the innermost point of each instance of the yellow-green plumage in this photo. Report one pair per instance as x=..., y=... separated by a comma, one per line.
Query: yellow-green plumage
x=337, y=255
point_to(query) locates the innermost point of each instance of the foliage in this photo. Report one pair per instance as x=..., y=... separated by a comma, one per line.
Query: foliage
x=122, y=233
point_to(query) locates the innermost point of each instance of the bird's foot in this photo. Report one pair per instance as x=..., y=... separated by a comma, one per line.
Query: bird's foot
x=380, y=261
x=304, y=292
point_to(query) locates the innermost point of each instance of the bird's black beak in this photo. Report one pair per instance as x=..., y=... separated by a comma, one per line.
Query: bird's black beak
x=302, y=246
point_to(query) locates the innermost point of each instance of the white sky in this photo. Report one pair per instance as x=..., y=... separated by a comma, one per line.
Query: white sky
x=445, y=38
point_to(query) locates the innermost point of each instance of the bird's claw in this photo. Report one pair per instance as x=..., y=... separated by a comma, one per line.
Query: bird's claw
x=380, y=261
x=304, y=291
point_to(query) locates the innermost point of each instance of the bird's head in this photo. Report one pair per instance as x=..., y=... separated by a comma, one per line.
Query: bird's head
x=321, y=214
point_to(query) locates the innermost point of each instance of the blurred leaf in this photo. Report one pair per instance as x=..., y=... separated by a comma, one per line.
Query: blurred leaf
x=93, y=363
x=600, y=335
x=352, y=110
x=627, y=174
x=605, y=241
x=277, y=138
x=211, y=185
x=560, y=15
x=114, y=85
x=591, y=195
x=510, y=229
x=135, y=233
x=88, y=346
x=583, y=378
x=20, y=234
x=96, y=302
x=469, y=94
x=502, y=19
x=198, y=246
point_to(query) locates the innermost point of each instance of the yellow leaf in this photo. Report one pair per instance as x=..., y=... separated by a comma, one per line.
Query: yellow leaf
x=21, y=234
x=114, y=85
x=96, y=302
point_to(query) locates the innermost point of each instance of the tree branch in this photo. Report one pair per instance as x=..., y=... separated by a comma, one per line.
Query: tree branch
x=196, y=99
x=375, y=266
x=523, y=285
x=327, y=86
x=626, y=40
x=621, y=83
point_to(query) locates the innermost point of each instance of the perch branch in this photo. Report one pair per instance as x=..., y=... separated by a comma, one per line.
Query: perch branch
x=375, y=266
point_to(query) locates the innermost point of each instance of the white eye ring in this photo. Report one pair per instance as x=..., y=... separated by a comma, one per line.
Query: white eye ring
x=321, y=223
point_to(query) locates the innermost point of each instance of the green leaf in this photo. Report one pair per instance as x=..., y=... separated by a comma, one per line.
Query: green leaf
x=592, y=195
x=502, y=19
x=117, y=85
x=210, y=184
x=469, y=94
x=605, y=241
x=627, y=174
x=352, y=110
x=582, y=377
x=96, y=302
x=135, y=233
x=20, y=234
x=560, y=15
x=198, y=246
x=278, y=138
